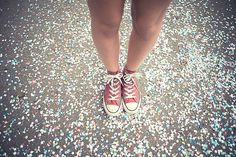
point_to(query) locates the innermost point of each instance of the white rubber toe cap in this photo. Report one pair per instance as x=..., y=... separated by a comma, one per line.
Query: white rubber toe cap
x=112, y=108
x=132, y=106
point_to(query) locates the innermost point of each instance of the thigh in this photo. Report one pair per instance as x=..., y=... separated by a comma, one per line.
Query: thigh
x=107, y=12
x=148, y=11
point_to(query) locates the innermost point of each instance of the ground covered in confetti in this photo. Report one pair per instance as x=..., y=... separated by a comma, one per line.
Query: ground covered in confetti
x=51, y=82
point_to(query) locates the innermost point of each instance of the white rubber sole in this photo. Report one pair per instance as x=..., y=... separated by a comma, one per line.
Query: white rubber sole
x=112, y=113
x=132, y=111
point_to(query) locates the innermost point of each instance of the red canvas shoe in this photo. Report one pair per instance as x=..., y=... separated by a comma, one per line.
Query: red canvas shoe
x=112, y=94
x=130, y=92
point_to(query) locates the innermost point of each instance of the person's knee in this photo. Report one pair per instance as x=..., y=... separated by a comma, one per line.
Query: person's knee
x=145, y=29
x=107, y=27
x=147, y=24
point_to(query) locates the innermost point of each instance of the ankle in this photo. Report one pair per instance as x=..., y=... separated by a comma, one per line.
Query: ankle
x=127, y=70
x=112, y=72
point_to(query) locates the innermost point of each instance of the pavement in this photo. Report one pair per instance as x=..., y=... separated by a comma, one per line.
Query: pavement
x=52, y=81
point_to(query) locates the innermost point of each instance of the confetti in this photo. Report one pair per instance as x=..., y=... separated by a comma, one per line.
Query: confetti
x=52, y=82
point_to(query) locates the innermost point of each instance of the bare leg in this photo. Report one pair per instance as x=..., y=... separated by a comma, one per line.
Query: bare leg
x=105, y=21
x=147, y=18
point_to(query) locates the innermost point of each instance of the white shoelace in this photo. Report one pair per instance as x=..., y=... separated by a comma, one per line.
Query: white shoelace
x=129, y=80
x=110, y=80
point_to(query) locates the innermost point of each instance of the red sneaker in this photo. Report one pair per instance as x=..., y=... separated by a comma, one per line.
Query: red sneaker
x=112, y=94
x=131, y=94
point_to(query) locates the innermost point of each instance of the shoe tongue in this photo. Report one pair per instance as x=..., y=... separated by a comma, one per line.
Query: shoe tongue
x=130, y=81
x=115, y=82
x=126, y=71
